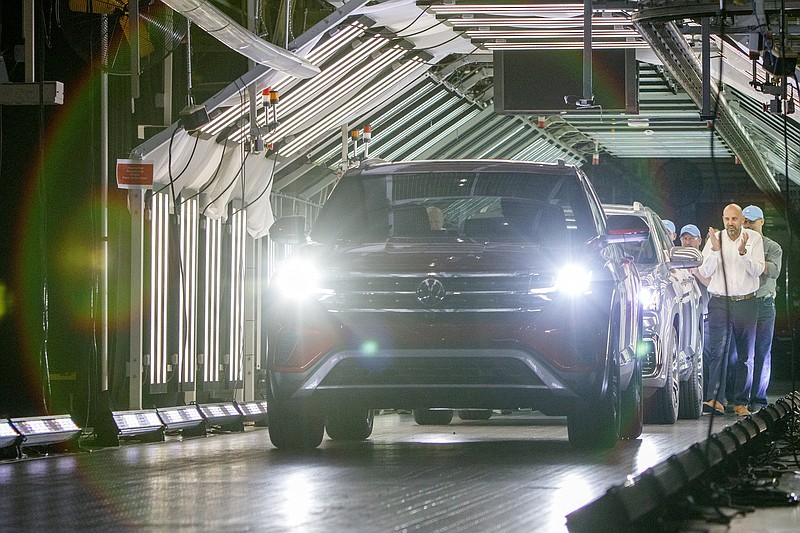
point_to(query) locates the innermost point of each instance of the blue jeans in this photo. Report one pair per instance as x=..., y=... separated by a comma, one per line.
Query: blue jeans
x=762, y=360
x=731, y=322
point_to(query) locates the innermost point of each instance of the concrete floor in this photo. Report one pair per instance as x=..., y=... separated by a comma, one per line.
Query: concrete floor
x=514, y=472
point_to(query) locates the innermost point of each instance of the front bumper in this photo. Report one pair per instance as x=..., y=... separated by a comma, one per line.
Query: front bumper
x=446, y=378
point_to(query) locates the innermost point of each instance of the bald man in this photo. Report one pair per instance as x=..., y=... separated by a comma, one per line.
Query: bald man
x=733, y=261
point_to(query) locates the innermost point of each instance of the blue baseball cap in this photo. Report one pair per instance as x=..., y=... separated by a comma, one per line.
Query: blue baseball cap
x=670, y=225
x=691, y=229
x=752, y=213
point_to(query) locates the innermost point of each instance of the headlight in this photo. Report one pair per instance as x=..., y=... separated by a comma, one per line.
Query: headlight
x=573, y=279
x=296, y=278
x=648, y=296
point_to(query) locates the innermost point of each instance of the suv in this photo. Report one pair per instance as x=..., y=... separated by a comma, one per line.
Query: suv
x=673, y=335
x=466, y=284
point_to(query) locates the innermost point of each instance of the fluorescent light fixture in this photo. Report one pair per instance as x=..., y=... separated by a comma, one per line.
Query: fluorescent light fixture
x=237, y=38
x=255, y=411
x=224, y=415
x=45, y=430
x=144, y=424
x=343, y=114
x=8, y=436
x=186, y=418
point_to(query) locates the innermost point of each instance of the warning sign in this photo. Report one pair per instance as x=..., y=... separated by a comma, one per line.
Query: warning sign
x=134, y=174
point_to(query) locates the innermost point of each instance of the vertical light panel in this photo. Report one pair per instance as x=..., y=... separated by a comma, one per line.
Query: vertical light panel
x=187, y=326
x=213, y=247
x=237, y=258
x=159, y=287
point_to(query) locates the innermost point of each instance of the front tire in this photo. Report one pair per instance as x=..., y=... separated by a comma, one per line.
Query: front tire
x=294, y=428
x=662, y=407
x=691, y=401
x=433, y=417
x=597, y=425
x=632, y=405
x=350, y=425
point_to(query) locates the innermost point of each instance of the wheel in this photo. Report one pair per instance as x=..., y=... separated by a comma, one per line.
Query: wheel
x=597, y=425
x=350, y=425
x=632, y=410
x=292, y=428
x=433, y=417
x=475, y=414
x=691, y=401
x=662, y=407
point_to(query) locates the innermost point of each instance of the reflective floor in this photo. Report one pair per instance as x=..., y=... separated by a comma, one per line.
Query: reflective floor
x=513, y=472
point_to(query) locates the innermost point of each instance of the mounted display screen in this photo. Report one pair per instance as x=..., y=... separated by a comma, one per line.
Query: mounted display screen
x=537, y=81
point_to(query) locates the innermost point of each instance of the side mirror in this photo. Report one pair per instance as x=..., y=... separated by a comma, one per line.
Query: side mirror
x=624, y=228
x=288, y=230
x=684, y=257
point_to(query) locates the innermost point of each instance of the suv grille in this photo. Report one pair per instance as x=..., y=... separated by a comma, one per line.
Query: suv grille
x=464, y=292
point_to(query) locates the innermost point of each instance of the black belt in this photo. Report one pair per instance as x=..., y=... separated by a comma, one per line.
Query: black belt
x=735, y=298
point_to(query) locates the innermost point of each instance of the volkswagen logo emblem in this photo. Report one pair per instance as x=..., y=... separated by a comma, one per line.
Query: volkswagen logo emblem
x=430, y=292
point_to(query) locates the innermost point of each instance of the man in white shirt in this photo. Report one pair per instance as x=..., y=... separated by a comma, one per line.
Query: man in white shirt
x=733, y=260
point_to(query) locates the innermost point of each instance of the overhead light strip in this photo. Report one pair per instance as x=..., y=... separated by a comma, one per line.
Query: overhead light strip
x=537, y=22
x=448, y=130
x=551, y=34
x=334, y=120
x=323, y=52
x=564, y=46
x=316, y=56
x=392, y=110
x=319, y=105
x=402, y=124
x=311, y=91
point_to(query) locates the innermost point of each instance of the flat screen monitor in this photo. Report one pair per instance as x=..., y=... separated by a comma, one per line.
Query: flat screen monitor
x=537, y=81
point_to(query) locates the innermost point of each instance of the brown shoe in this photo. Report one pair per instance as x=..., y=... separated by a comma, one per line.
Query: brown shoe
x=741, y=410
x=713, y=405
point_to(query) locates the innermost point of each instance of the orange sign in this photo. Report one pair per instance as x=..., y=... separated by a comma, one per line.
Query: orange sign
x=134, y=174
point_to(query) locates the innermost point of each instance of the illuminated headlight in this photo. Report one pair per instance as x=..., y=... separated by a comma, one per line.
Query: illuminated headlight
x=297, y=279
x=573, y=279
x=648, y=296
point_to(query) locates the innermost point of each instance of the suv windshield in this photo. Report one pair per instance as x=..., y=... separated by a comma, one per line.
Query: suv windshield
x=471, y=206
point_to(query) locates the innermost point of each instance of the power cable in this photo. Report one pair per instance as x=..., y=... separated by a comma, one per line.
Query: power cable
x=721, y=263
x=786, y=206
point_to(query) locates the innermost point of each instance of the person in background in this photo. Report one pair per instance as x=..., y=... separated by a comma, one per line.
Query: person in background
x=670, y=225
x=733, y=260
x=765, y=296
x=691, y=238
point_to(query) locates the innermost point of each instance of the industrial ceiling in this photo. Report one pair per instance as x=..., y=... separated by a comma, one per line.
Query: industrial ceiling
x=421, y=75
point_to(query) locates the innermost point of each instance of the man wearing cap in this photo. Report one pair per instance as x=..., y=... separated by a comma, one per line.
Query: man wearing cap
x=765, y=296
x=733, y=260
x=670, y=225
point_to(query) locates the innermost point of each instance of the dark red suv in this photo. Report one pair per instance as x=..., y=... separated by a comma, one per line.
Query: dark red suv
x=465, y=284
